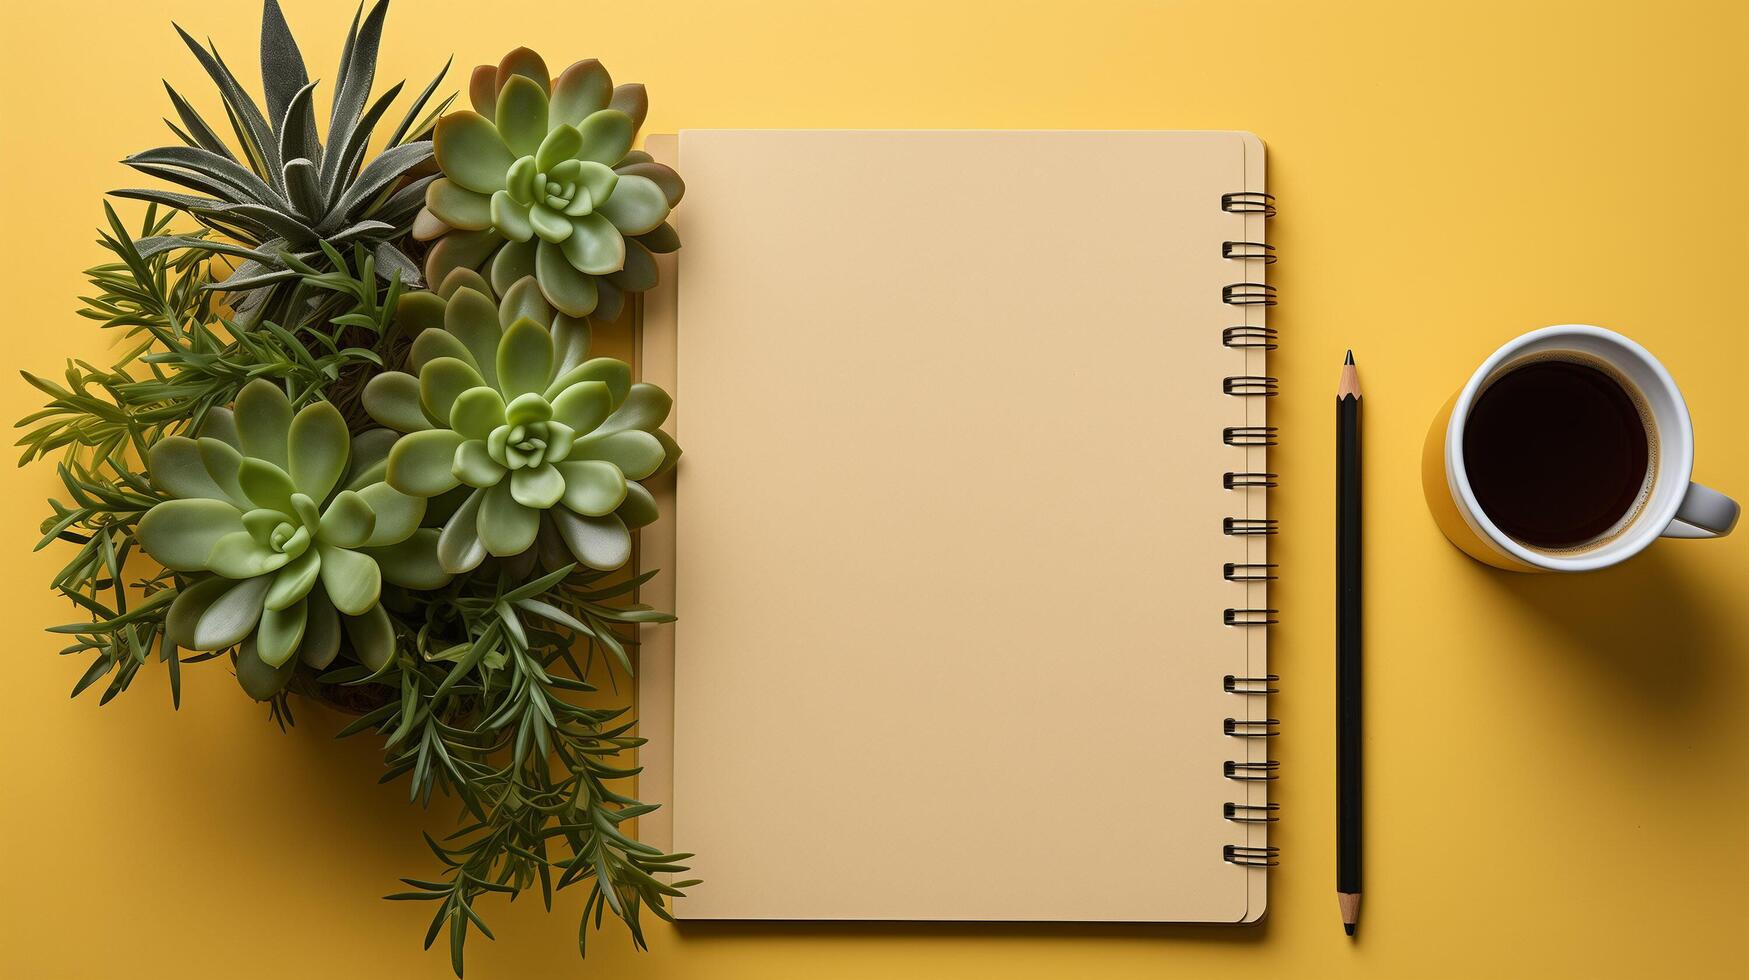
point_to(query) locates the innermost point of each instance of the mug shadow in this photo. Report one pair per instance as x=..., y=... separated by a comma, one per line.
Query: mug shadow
x=1651, y=631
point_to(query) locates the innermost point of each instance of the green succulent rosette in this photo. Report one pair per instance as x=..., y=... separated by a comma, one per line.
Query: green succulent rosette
x=541, y=180
x=286, y=535
x=505, y=405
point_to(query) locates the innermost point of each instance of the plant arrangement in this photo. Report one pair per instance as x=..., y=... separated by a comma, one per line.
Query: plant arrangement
x=354, y=444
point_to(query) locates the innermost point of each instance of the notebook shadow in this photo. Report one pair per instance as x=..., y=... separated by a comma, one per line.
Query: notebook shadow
x=728, y=930
x=1649, y=632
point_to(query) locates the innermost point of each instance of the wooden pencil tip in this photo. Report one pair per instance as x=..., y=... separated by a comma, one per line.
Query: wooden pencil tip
x=1348, y=927
x=1349, y=359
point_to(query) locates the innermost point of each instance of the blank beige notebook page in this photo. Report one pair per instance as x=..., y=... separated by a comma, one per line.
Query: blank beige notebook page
x=947, y=545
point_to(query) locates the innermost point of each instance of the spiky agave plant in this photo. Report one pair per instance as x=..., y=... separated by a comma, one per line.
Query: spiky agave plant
x=283, y=191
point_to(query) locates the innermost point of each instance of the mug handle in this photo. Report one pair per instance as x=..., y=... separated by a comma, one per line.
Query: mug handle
x=1703, y=513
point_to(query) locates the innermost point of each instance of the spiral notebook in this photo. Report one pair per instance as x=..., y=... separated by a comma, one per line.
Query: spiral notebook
x=968, y=546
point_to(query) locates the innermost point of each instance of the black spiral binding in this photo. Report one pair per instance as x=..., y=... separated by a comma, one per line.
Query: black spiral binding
x=1248, y=435
x=1250, y=857
x=1249, y=337
x=1241, y=385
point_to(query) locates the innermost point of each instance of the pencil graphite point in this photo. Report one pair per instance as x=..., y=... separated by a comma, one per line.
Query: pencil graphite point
x=1348, y=927
x=1349, y=359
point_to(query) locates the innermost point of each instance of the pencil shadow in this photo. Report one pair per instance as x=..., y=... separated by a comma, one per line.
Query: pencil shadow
x=723, y=930
x=1649, y=633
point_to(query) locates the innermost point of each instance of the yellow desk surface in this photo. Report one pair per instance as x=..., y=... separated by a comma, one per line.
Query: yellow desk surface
x=1556, y=765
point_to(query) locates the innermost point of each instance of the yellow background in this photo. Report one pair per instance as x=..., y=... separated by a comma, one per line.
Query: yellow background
x=1556, y=764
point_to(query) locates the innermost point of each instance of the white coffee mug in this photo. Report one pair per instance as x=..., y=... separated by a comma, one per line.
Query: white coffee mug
x=1676, y=507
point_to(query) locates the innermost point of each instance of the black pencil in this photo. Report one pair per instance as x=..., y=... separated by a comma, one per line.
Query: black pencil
x=1348, y=805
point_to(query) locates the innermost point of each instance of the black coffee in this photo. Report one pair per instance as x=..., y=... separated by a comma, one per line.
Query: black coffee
x=1557, y=453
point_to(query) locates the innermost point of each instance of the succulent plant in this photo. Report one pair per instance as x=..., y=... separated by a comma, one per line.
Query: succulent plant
x=540, y=179
x=287, y=192
x=506, y=402
x=295, y=533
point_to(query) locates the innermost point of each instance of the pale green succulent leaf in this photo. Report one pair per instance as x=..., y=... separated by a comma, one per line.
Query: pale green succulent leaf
x=348, y=522
x=431, y=345
x=420, y=310
x=560, y=437
x=264, y=418
x=614, y=373
x=519, y=182
x=598, y=179
x=457, y=206
x=441, y=382
x=471, y=152
x=221, y=424
x=176, y=468
x=257, y=679
x=523, y=299
x=459, y=549
x=478, y=411
x=602, y=543
x=570, y=290
x=266, y=484
x=180, y=534
x=570, y=340
x=639, y=508
x=537, y=488
x=559, y=146
x=525, y=359
x=372, y=635
x=593, y=488
x=279, y=634
x=475, y=466
x=190, y=604
x=528, y=408
x=526, y=62
x=392, y=398
x=261, y=522
x=222, y=461
x=637, y=205
x=513, y=219
x=412, y=564
x=506, y=527
x=238, y=556
x=472, y=318
x=521, y=116
x=231, y=617
x=319, y=445
x=352, y=580
x=594, y=246
x=673, y=188
x=635, y=452
x=646, y=406
x=550, y=225
x=580, y=90
x=294, y=581
x=460, y=250
x=420, y=462
x=321, y=632
x=397, y=514
x=607, y=135
x=583, y=405
x=513, y=263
